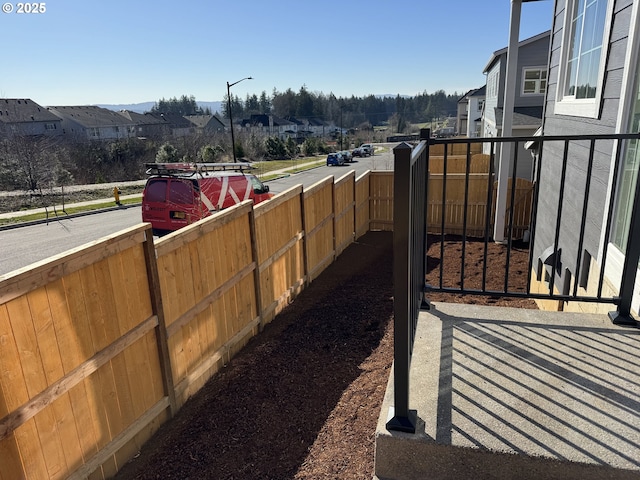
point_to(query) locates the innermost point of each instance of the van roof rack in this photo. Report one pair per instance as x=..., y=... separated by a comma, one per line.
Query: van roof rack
x=193, y=168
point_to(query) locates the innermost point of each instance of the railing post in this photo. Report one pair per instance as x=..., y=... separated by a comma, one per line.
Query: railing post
x=403, y=419
x=623, y=315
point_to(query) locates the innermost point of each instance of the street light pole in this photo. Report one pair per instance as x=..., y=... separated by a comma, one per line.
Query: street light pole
x=233, y=142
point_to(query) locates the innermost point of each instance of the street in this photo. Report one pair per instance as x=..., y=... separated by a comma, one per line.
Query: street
x=26, y=245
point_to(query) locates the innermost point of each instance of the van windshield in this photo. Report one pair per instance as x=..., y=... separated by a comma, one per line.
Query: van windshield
x=181, y=192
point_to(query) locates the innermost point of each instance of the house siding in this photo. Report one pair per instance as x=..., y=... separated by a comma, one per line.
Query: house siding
x=577, y=162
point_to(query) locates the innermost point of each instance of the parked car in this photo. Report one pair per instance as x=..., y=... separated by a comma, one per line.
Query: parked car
x=357, y=152
x=367, y=149
x=335, y=159
x=347, y=156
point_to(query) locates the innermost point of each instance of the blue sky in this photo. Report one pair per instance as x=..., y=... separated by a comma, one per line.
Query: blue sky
x=114, y=51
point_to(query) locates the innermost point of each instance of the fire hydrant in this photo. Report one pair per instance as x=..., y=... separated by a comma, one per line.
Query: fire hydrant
x=116, y=195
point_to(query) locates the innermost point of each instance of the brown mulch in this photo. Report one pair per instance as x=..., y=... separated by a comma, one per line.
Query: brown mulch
x=302, y=399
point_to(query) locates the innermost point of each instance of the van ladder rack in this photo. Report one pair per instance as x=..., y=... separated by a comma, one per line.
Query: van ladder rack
x=193, y=168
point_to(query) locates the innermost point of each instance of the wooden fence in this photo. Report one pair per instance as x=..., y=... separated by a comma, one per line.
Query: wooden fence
x=466, y=199
x=101, y=345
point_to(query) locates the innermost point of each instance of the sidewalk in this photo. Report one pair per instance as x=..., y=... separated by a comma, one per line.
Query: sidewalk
x=58, y=208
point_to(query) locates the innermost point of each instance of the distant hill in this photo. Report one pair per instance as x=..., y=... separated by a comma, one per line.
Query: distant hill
x=147, y=106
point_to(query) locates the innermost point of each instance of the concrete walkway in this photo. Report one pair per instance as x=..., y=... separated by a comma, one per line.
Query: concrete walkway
x=507, y=393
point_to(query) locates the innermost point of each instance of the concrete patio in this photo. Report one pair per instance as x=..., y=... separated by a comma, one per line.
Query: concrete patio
x=506, y=393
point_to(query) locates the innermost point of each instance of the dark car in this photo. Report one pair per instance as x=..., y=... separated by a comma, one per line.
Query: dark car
x=357, y=152
x=347, y=156
x=335, y=159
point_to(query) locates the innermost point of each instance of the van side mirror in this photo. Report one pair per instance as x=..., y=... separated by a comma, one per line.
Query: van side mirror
x=264, y=189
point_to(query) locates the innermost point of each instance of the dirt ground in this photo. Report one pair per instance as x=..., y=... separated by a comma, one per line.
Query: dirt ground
x=301, y=401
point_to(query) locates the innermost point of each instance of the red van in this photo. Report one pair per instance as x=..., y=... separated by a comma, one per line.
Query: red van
x=178, y=194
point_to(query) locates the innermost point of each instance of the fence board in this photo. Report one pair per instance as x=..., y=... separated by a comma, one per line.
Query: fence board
x=458, y=163
x=279, y=248
x=344, y=211
x=381, y=201
x=362, y=203
x=455, y=148
x=319, y=213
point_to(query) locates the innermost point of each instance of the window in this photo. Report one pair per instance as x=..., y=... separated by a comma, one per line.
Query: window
x=534, y=81
x=628, y=176
x=480, y=105
x=582, y=60
x=50, y=126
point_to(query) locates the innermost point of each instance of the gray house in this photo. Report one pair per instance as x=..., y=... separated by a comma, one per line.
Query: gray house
x=531, y=83
x=206, y=123
x=24, y=117
x=89, y=122
x=146, y=125
x=593, y=88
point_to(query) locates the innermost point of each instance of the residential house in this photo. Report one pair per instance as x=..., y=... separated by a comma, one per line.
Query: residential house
x=270, y=125
x=593, y=88
x=470, y=107
x=531, y=85
x=146, y=125
x=317, y=127
x=24, y=117
x=89, y=122
x=206, y=123
x=179, y=125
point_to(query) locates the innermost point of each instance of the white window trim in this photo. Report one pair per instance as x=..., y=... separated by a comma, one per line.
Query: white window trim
x=614, y=261
x=536, y=68
x=587, y=107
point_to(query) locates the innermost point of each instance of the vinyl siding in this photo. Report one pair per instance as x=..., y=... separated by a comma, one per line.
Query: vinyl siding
x=577, y=162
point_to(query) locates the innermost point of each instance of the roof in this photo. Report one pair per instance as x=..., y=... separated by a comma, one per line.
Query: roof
x=503, y=51
x=20, y=110
x=204, y=121
x=479, y=92
x=522, y=116
x=141, y=118
x=173, y=119
x=91, y=116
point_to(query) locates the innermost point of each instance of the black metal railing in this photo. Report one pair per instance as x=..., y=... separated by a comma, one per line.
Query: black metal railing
x=571, y=181
x=409, y=266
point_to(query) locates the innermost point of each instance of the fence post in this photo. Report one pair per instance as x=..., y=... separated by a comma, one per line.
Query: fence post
x=161, y=330
x=403, y=419
x=256, y=271
x=623, y=315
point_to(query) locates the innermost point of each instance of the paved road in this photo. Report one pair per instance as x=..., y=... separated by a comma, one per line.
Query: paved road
x=23, y=246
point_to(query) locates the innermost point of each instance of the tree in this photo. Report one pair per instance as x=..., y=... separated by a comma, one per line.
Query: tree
x=275, y=148
x=167, y=153
x=264, y=103
x=209, y=153
x=291, y=148
x=186, y=105
x=28, y=163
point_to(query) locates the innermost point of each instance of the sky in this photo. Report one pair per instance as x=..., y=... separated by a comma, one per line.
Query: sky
x=83, y=52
